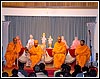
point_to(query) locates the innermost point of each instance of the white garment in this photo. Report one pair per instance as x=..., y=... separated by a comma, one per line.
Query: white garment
x=23, y=58
x=56, y=72
x=48, y=59
x=69, y=58
x=44, y=40
x=50, y=40
x=30, y=43
x=41, y=74
x=20, y=74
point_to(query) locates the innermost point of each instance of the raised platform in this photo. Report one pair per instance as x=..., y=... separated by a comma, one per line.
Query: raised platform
x=49, y=68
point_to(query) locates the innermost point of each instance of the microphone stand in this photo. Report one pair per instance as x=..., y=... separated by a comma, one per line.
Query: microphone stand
x=90, y=46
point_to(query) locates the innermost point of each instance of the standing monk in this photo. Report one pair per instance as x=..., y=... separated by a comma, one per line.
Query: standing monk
x=12, y=51
x=35, y=53
x=59, y=53
x=82, y=53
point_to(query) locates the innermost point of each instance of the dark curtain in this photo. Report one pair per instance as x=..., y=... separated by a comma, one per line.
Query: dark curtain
x=69, y=27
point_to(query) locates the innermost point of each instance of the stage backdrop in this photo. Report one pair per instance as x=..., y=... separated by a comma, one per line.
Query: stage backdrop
x=69, y=27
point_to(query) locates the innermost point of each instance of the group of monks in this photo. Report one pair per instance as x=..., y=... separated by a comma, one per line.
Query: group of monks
x=82, y=53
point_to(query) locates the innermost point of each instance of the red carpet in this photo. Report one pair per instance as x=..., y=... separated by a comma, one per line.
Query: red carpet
x=50, y=71
x=49, y=68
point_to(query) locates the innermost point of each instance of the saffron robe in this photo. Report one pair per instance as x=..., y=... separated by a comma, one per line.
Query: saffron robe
x=59, y=54
x=82, y=54
x=12, y=53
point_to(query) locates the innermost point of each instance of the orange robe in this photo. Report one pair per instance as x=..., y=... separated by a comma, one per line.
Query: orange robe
x=82, y=54
x=19, y=41
x=35, y=55
x=12, y=53
x=58, y=53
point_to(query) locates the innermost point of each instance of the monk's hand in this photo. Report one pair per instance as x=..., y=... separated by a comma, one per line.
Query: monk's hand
x=75, y=54
x=53, y=53
x=14, y=46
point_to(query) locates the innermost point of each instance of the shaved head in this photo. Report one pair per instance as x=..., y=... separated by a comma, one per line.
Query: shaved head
x=17, y=37
x=35, y=43
x=14, y=40
x=59, y=39
x=82, y=42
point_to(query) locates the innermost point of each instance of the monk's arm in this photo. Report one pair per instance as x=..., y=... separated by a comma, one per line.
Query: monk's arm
x=88, y=53
x=31, y=51
x=11, y=48
x=63, y=50
x=18, y=48
x=54, y=49
x=41, y=51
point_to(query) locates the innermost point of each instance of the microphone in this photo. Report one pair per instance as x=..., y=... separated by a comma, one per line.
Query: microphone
x=89, y=32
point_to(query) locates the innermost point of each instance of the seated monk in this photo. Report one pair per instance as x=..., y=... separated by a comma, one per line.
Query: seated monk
x=58, y=53
x=12, y=51
x=82, y=53
x=35, y=53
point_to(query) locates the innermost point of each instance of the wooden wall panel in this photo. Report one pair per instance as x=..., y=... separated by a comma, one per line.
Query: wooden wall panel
x=51, y=4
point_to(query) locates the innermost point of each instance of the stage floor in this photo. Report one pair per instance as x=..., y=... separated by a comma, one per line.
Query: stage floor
x=49, y=67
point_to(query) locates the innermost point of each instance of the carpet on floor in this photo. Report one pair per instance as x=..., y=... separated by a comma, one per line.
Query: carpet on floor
x=49, y=68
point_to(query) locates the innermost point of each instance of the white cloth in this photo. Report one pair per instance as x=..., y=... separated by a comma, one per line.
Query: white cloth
x=69, y=58
x=44, y=40
x=20, y=74
x=23, y=58
x=30, y=43
x=50, y=40
x=45, y=57
x=48, y=59
x=41, y=74
x=56, y=72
